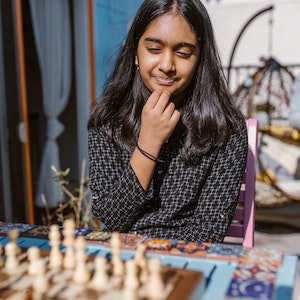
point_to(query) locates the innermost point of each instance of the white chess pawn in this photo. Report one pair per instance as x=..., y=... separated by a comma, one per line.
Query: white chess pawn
x=13, y=235
x=118, y=265
x=68, y=241
x=141, y=262
x=40, y=282
x=12, y=260
x=81, y=273
x=33, y=254
x=100, y=279
x=55, y=256
x=155, y=284
x=115, y=243
x=131, y=281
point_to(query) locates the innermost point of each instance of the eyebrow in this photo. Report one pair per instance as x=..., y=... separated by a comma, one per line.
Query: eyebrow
x=181, y=44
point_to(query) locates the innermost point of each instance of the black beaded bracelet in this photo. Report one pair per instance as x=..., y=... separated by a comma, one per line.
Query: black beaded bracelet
x=148, y=155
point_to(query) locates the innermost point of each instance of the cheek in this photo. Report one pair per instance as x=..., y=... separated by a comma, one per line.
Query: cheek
x=147, y=63
x=188, y=71
x=145, y=74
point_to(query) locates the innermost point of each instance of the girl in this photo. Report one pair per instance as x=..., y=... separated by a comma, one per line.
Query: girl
x=167, y=148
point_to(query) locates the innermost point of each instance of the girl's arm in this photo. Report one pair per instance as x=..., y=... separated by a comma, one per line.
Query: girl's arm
x=118, y=197
x=219, y=195
x=158, y=120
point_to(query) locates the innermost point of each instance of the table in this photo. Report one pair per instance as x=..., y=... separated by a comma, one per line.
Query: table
x=229, y=270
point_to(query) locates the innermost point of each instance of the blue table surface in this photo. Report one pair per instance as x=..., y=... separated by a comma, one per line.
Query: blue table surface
x=218, y=273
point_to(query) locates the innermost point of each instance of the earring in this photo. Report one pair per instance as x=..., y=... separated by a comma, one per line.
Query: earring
x=137, y=63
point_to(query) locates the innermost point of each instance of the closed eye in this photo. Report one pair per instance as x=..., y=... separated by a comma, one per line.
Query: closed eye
x=184, y=54
x=154, y=50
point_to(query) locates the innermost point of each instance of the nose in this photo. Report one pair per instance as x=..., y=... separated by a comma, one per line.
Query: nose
x=167, y=63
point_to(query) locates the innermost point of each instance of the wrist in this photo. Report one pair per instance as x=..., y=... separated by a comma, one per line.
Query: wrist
x=149, y=146
x=148, y=155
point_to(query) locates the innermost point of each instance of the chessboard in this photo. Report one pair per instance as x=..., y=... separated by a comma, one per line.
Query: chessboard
x=29, y=274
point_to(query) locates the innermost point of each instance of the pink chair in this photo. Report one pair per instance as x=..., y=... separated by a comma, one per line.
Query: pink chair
x=241, y=229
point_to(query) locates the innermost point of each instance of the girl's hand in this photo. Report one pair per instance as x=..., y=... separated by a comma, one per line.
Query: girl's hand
x=158, y=121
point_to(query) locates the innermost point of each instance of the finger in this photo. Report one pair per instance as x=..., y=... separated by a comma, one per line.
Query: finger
x=153, y=99
x=175, y=117
x=169, y=110
x=163, y=101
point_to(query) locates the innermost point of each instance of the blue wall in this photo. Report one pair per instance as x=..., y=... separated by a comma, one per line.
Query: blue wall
x=112, y=19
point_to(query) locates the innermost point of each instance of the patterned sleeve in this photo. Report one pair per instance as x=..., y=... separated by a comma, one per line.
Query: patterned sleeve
x=219, y=194
x=117, y=194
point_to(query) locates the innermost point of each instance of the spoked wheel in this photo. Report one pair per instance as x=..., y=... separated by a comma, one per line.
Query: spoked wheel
x=265, y=95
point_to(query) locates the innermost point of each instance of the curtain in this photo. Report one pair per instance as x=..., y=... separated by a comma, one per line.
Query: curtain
x=5, y=192
x=83, y=86
x=52, y=33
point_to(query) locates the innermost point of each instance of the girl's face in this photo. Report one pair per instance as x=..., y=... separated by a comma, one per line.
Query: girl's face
x=167, y=55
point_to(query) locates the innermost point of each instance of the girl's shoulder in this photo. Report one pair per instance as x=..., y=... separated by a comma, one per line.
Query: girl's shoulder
x=240, y=135
x=104, y=128
x=100, y=132
x=105, y=133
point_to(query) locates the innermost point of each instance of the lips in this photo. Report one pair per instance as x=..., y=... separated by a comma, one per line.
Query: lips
x=165, y=81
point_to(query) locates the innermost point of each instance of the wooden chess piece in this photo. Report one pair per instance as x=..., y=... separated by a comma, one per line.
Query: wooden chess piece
x=81, y=273
x=13, y=235
x=131, y=281
x=100, y=279
x=118, y=265
x=68, y=241
x=33, y=254
x=12, y=260
x=155, y=284
x=40, y=282
x=55, y=256
x=141, y=262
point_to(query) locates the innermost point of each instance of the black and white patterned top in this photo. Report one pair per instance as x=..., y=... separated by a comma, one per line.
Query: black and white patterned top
x=194, y=203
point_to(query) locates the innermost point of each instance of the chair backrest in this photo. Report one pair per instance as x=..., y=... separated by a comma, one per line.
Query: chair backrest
x=241, y=229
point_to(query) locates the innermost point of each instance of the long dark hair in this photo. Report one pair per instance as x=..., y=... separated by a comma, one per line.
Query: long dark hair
x=208, y=116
